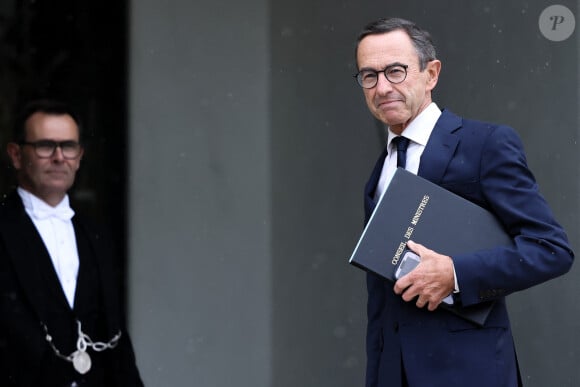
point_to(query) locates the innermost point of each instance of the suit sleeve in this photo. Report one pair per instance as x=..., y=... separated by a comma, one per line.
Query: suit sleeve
x=541, y=251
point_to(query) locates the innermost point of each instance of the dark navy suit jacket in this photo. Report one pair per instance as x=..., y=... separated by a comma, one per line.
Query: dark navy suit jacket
x=484, y=163
x=30, y=292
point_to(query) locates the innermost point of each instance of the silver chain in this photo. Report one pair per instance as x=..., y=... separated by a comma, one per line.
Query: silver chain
x=83, y=342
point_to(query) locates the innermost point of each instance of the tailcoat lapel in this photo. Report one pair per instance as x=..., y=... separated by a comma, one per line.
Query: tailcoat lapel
x=30, y=258
x=107, y=272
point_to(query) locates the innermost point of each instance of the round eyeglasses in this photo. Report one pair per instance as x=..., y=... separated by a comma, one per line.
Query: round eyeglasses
x=46, y=148
x=368, y=78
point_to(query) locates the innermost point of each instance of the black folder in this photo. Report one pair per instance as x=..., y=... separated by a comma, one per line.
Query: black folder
x=413, y=208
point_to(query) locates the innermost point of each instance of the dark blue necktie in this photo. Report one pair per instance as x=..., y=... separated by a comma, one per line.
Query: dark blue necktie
x=401, y=143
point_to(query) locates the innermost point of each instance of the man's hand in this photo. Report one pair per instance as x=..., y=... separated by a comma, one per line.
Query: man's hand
x=431, y=281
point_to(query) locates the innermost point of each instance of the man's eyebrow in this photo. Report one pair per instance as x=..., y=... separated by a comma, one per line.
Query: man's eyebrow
x=384, y=68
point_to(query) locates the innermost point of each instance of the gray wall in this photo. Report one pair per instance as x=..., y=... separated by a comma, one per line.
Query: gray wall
x=200, y=289
x=250, y=145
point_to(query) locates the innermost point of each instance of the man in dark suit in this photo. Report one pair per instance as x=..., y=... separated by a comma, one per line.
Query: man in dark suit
x=61, y=318
x=410, y=340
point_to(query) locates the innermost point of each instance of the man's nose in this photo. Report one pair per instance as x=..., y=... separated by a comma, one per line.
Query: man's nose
x=383, y=84
x=58, y=155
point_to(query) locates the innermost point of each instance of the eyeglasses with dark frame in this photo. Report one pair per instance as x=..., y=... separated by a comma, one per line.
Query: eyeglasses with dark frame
x=46, y=148
x=368, y=78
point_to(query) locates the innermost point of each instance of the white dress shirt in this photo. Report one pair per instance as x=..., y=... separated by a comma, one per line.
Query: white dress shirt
x=57, y=232
x=418, y=131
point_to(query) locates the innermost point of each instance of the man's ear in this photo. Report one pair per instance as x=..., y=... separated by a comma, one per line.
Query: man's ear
x=80, y=158
x=15, y=154
x=433, y=70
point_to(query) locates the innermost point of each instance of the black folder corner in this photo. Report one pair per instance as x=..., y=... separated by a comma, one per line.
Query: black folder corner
x=413, y=208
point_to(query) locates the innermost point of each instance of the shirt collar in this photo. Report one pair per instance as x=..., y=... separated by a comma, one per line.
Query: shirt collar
x=421, y=127
x=39, y=209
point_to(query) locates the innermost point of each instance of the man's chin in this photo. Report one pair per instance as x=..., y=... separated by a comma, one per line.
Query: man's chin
x=58, y=187
x=391, y=119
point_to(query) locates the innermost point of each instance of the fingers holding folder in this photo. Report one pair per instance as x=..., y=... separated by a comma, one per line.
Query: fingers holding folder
x=430, y=282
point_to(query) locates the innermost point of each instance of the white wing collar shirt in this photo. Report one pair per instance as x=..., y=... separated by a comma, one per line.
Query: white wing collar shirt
x=57, y=232
x=418, y=131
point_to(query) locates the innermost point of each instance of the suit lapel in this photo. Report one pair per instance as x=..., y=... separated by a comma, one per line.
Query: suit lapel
x=440, y=147
x=434, y=160
x=371, y=185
